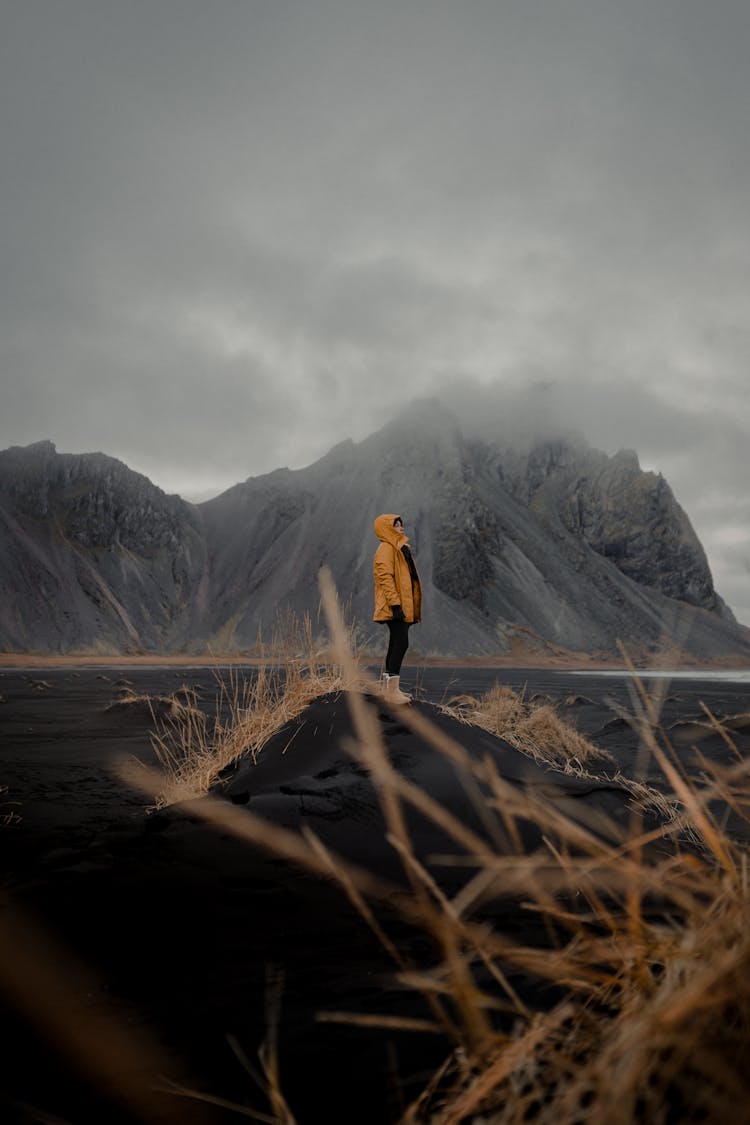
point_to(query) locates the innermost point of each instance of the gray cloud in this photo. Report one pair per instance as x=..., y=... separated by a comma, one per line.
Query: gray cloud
x=233, y=234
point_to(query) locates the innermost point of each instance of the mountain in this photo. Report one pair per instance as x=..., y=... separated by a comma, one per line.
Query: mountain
x=93, y=556
x=555, y=547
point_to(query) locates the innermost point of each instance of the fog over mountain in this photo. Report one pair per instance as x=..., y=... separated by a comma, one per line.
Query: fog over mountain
x=534, y=547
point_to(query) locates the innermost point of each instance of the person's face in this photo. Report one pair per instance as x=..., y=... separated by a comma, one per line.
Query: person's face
x=399, y=524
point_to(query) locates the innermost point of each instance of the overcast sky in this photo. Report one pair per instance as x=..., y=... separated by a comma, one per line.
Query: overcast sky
x=235, y=233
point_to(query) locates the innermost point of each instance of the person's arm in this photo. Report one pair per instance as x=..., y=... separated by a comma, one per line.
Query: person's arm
x=384, y=567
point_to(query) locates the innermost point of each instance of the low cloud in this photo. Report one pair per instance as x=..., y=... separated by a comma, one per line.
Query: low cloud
x=233, y=236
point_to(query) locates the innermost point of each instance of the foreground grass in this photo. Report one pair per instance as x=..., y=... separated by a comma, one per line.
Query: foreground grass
x=647, y=948
x=653, y=958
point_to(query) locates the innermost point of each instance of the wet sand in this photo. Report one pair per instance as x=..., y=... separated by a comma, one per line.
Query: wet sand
x=179, y=927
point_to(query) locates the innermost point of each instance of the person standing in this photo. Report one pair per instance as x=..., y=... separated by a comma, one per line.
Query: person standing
x=398, y=597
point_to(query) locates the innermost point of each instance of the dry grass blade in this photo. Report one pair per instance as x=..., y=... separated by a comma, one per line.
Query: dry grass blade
x=389, y=1023
x=193, y=1095
x=695, y=807
x=370, y=748
x=355, y=896
x=269, y=1050
x=721, y=729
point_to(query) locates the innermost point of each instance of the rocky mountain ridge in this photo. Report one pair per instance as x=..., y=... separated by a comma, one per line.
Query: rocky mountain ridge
x=93, y=556
x=555, y=547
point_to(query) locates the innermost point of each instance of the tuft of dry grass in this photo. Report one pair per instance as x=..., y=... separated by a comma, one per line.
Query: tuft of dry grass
x=193, y=748
x=159, y=705
x=533, y=728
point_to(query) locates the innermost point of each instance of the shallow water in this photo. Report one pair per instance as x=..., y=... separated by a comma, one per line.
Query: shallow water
x=725, y=675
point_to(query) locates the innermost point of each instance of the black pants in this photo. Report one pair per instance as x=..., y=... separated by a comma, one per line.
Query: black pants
x=398, y=642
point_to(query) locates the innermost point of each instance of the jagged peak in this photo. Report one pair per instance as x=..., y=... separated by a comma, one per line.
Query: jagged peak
x=40, y=451
x=33, y=473
x=627, y=459
x=44, y=448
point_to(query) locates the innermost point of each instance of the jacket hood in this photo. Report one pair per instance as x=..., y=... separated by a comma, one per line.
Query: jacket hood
x=384, y=529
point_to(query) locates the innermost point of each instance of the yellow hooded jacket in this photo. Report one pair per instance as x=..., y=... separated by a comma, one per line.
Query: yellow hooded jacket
x=393, y=581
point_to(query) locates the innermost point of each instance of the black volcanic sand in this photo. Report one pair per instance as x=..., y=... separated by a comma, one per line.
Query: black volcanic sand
x=179, y=925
